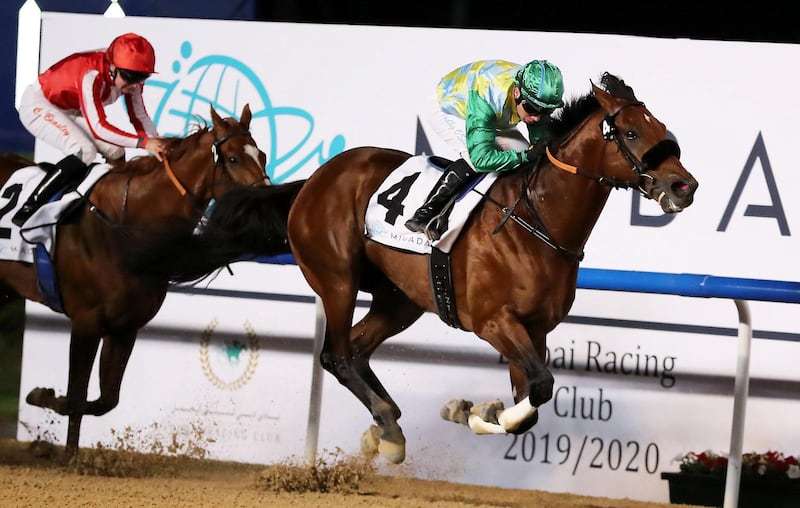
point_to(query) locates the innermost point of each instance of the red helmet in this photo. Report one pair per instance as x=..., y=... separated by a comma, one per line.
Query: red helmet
x=132, y=52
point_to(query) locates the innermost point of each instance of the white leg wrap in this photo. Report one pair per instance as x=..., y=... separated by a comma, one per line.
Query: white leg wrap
x=479, y=426
x=512, y=417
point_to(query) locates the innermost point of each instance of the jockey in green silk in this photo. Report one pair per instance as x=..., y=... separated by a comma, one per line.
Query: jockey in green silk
x=479, y=107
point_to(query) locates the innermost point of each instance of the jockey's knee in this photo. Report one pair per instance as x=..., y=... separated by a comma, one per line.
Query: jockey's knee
x=85, y=154
x=113, y=153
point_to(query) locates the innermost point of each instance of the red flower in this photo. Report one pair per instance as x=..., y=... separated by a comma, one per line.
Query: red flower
x=771, y=464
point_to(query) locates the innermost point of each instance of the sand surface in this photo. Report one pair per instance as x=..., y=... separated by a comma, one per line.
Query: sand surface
x=36, y=475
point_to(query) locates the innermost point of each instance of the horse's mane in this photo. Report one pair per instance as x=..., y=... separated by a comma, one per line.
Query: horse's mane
x=572, y=115
x=176, y=148
x=179, y=146
x=576, y=110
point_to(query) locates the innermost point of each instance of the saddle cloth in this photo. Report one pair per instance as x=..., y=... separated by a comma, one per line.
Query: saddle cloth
x=17, y=244
x=399, y=196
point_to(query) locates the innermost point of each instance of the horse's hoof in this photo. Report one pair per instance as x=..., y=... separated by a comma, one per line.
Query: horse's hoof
x=488, y=411
x=456, y=410
x=393, y=452
x=370, y=440
x=40, y=396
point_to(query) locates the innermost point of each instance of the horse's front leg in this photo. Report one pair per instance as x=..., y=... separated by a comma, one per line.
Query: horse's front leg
x=532, y=389
x=531, y=382
x=82, y=350
x=84, y=342
x=114, y=356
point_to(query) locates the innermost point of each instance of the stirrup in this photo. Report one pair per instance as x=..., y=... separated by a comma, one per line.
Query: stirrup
x=436, y=227
x=416, y=224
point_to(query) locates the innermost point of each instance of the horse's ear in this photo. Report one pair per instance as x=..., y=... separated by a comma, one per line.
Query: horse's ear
x=606, y=100
x=244, y=120
x=215, y=118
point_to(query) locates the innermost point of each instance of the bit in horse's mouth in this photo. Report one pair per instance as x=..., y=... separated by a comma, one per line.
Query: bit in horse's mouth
x=670, y=206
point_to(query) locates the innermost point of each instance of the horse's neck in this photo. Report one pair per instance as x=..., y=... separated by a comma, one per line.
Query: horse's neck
x=567, y=204
x=141, y=197
x=191, y=175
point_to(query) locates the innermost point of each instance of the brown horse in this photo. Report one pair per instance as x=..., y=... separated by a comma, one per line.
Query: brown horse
x=103, y=300
x=514, y=280
x=511, y=288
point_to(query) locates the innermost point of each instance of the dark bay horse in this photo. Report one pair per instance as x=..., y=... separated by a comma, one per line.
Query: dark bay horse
x=103, y=300
x=514, y=267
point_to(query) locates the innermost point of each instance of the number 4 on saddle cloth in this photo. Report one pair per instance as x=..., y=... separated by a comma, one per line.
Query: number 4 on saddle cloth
x=34, y=241
x=405, y=190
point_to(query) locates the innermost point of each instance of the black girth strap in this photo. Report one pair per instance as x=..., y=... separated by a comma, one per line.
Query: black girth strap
x=442, y=285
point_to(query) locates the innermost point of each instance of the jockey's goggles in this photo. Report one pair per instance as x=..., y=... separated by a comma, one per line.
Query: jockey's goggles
x=132, y=77
x=534, y=109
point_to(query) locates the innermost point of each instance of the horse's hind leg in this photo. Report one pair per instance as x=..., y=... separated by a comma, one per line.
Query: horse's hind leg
x=390, y=313
x=347, y=358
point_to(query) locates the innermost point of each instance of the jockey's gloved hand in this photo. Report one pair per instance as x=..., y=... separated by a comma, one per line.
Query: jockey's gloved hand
x=536, y=151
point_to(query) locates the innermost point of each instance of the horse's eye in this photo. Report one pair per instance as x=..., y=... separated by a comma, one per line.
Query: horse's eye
x=631, y=135
x=233, y=159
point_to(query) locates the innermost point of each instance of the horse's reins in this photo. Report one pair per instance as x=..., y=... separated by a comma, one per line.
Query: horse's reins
x=173, y=177
x=649, y=161
x=539, y=231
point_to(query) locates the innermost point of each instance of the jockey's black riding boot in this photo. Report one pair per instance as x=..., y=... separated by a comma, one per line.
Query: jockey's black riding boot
x=431, y=217
x=68, y=169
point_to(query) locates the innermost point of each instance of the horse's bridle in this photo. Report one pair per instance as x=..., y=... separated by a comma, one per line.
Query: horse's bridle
x=219, y=161
x=650, y=161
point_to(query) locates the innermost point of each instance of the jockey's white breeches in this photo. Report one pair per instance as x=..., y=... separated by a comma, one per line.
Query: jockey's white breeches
x=65, y=130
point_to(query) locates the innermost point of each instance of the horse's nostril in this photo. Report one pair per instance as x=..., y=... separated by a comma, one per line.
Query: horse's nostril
x=680, y=188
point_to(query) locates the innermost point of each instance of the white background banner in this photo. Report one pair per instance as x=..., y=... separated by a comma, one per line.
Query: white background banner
x=639, y=378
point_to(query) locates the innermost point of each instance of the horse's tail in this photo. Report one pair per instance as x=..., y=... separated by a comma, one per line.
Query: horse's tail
x=246, y=223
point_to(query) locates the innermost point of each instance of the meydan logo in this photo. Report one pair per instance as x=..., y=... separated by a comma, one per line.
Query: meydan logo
x=228, y=84
x=228, y=363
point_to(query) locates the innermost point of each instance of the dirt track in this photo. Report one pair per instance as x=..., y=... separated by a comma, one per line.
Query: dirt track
x=37, y=477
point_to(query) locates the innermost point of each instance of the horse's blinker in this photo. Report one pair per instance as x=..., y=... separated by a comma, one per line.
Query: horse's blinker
x=659, y=153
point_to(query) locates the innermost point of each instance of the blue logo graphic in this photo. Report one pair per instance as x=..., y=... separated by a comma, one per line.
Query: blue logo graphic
x=228, y=84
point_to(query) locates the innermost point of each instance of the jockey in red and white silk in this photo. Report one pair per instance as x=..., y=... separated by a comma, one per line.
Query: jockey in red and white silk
x=65, y=106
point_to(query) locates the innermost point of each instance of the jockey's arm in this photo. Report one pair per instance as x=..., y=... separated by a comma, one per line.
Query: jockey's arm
x=481, y=122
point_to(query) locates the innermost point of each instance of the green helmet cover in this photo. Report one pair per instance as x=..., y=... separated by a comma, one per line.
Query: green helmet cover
x=541, y=82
